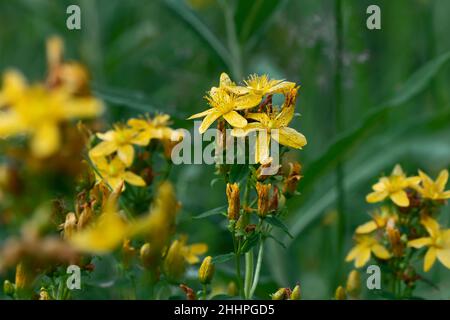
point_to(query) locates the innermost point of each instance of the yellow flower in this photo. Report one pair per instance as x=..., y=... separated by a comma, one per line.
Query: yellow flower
x=438, y=244
x=111, y=229
x=380, y=220
x=226, y=104
x=393, y=187
x=37, y=111
x=272, y=125
x=262, y=85
x=366, y=245
x=119, y=140
x=179, y=254
x=114, y=173
x=156, y=128
x=434, y=190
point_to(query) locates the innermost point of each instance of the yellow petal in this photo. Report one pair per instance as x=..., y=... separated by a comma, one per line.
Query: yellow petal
x=209, y=119
x=400, y=198
x=261, y=117
x=247, y=101
x=126, y=154
x=444, y=257
x=262, y=147
x=398, y=171
x=354, y=252
x=380, y=251
x=198, y=248
x=282, y=87
x=235, y=119
x=413, y=181
x=201, y=114
x=242, y=132
x=431, y=225
x=445, y=195
x=133, y=179
x=102, y=149
x=419, y=243
x=83, y=108
x=429, y=259
x=426, y=180
x=363, y=257
x=107, y=136
x=285, y=116
x=45, y=140
x=289, y=137
x=381, y=185
x=442, y=179
x=376, y=196
x=367, y=227
x=225, y=80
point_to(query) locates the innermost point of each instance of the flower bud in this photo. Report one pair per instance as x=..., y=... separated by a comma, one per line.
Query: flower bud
x=85, y=216
x=43, y=294
x=174, y=263
x=280, y=294
x=273, y=206
x=263, y=198
x=233, y=201
x=146, y=255
x=340, y=294
x=291, y=181
x=70, y=225
x=296, y=293
x=232, y=289
x=8, y=288
x=394, y=238
x=353, y=285
x=206, y=271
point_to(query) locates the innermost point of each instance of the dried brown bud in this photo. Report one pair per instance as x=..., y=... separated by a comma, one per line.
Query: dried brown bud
x=263, y=198
x=190, y=294
x=234, y=203
x=291, y=181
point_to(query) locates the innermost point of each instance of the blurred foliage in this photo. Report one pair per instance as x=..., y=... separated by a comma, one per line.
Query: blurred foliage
x=163, y=55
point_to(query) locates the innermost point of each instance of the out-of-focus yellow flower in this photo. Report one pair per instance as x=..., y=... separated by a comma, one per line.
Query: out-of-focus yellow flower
x=438, y=244
x=340, y=293
x=234, y=201
x=179, y=254
x=114, y=173
x=353, y=285
x=156, y=128
x=226, y=104
x=119, y=140
x=262, y=85
x=105, y=234
x=393, y=187
x=111, y=229
x=434, y=190
x=38, y=111
x=273, y=125
x=380, y=220
x=366, y=245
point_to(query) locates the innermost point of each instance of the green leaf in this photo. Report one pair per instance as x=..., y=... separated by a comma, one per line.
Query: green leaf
x=238, y=172
x=250, y=242
x=223, y=258
x=277, y=240
x=212, y=212
x=194, y=22
x=276, y=222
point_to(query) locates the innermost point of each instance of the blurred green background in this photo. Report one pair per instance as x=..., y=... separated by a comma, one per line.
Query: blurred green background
x=387, y=102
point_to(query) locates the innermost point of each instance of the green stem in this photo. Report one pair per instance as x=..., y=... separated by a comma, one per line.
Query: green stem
x=258, y=268
x=248, y=273
x=236, y=246
x=204, y=291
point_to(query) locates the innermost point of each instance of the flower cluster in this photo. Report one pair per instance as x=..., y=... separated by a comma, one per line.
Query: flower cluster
x=404, y=224
x=249, y=108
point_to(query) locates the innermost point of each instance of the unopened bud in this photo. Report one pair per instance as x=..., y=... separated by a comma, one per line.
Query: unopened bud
x=296, y=293
x=206, y=271
x=234, y=203
x=291, y=181
x=263, y=198
x=340, y=294
x=44, y=295
x=146, y=255
x=232, y=289
x=280, y=294
x=353, y=285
